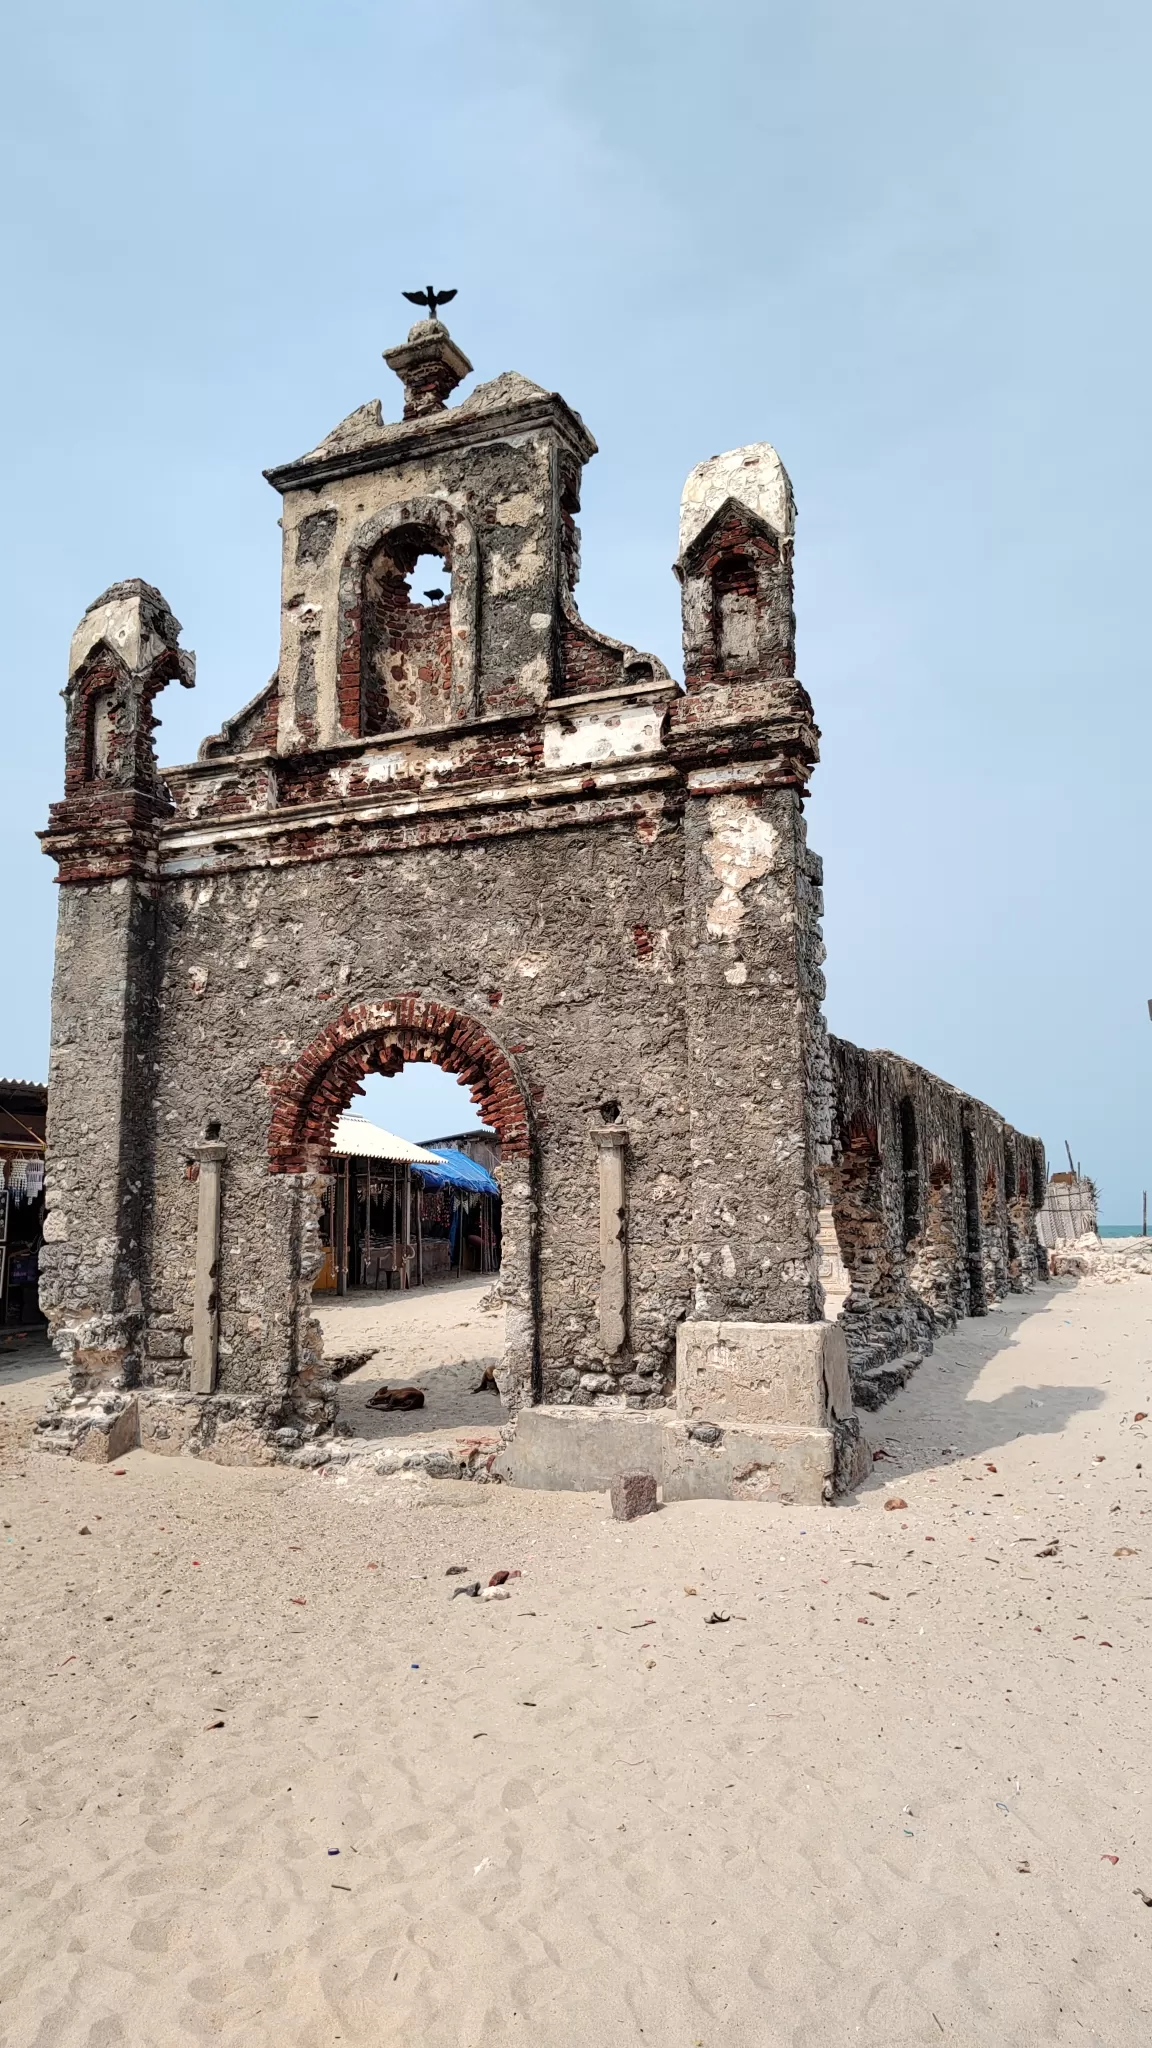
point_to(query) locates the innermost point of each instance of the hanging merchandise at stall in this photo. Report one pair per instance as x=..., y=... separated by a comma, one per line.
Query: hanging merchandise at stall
x=473, y=1244
x=397, y=1215
x=23, y=1117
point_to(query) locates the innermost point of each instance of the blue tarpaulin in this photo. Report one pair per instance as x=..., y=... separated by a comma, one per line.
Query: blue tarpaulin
x=457, y=1171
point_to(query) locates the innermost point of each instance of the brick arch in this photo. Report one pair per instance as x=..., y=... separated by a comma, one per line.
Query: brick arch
x=378, y=1038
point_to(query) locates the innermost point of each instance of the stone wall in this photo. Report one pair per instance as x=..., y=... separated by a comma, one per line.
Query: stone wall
x=934, y=1200
x=533, y=937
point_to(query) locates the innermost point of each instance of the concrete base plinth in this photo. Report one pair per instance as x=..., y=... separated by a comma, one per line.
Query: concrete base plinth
x=762, y=1373
x=169, y=1422
x=763, y=1412
x=98, y=1427
x=581, y=1450
x=220, y=1430
x=778, y=1462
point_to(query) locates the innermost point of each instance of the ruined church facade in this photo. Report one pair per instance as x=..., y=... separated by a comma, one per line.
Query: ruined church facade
x=461, y=825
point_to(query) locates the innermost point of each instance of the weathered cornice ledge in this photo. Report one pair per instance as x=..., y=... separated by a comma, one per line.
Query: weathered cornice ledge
x=414, y=440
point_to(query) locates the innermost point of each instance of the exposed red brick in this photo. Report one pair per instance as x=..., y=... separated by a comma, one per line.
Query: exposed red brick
x=379, y=1038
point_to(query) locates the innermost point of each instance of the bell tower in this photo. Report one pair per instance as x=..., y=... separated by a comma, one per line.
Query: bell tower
x=483, y=492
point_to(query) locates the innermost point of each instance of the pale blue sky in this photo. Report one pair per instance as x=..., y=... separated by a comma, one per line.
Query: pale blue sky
x=421, y=1102
x=907, y=243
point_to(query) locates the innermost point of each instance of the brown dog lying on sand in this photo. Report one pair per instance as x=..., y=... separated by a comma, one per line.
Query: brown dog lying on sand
x=397, y=1397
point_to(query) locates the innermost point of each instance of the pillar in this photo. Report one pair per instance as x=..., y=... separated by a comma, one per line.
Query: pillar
x=753, y=1020
x=99, y=1081
x=206, y=1291
x=756, y=1364
x=104, y=836
x=610, y=1141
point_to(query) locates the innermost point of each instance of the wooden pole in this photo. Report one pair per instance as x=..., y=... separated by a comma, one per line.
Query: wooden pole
x=1144, y=1223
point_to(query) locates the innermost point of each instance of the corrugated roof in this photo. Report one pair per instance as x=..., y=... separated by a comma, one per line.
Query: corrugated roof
x=356, y=1138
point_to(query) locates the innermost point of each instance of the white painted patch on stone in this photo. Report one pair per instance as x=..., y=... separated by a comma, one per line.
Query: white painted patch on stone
x=736, y=976
x=380, y=767
x=754, y=475
x=581, y=738
x=741, y=849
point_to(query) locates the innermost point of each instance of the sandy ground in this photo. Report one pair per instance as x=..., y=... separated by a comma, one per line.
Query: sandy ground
x=879, y=1804
x=437, y=1337
x=27, y=1376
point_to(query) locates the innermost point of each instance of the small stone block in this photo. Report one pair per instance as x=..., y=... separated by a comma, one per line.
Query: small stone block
x=633, y=1493
x=706, y=1433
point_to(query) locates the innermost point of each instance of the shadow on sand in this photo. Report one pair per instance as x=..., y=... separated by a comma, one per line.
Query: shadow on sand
x=937, y=1419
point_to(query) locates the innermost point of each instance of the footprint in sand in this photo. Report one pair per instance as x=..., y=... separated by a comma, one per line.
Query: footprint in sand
x=517, y=1792
x=151, y=1935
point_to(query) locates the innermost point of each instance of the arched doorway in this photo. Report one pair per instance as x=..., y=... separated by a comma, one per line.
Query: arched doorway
x=380, y=1038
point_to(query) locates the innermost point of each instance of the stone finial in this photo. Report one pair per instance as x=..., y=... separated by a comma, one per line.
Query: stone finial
x=123, y=652
x=429, y=365
x=737, y=527
x=137, y=625
x=754, y=476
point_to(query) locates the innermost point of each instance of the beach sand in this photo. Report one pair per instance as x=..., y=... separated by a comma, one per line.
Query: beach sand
x=438, y=1337
x=878, y=1804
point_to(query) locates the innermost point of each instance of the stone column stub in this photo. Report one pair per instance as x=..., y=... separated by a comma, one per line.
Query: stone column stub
x=429, y=365
x=206, y=1291
x=611, y=1142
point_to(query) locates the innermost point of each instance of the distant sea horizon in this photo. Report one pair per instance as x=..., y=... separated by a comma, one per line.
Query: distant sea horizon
x=1117, y=1230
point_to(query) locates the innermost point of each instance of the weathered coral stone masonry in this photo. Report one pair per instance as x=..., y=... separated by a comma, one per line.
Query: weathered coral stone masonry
x=473, y=830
